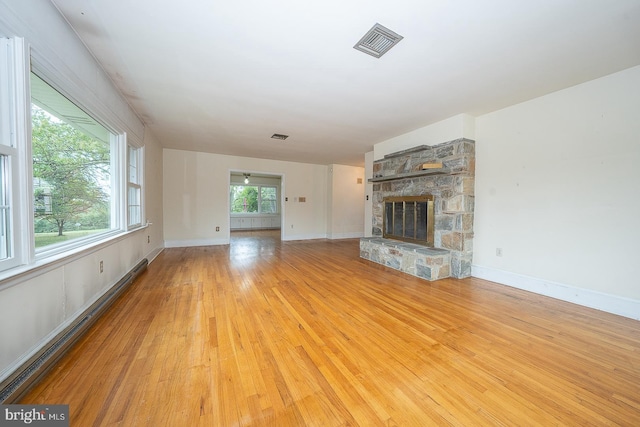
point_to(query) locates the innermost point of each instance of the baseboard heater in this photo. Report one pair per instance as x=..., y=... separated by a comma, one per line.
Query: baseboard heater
x=27, y=375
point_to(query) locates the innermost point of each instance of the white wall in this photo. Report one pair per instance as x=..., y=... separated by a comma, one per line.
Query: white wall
x=153, y=182
x=196, y=197
x=37, y=305
x=558, y=189
x=460, y=126
x=345, y=202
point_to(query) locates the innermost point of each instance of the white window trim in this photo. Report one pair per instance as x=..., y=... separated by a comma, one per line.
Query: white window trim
x=20, y=60
x=139, y=185
x=117, y=157
x=16, y=111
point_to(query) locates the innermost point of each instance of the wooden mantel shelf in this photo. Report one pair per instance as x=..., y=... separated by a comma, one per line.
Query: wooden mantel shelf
x=413, y=174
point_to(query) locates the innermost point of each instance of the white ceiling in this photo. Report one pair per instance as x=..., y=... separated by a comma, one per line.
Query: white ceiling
x=223, y=76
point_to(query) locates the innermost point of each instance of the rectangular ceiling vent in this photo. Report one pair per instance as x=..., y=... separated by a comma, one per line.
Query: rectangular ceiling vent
x=378, y=41
x=279, y=136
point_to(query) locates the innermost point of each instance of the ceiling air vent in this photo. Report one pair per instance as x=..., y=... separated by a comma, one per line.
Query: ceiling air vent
x=378, y=41
x=279, y=136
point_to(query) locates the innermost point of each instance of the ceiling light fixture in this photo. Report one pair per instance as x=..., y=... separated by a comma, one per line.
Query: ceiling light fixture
x=246, y=178
x=279, y=136
x=377, y=41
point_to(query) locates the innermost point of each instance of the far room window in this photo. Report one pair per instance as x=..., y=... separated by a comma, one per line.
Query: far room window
x=268, y=200
x=73, y=182
x=253, y=199
x=244, y=198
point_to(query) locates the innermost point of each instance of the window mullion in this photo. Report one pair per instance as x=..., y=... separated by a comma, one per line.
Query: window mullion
x=14, y=151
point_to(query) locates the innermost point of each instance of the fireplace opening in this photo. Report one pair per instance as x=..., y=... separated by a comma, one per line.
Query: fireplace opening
x=410, y=219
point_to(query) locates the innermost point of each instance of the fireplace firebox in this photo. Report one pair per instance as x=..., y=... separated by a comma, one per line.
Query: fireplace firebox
x=410, y=219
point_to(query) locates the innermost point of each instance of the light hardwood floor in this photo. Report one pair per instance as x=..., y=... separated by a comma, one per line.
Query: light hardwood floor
x=306, y=333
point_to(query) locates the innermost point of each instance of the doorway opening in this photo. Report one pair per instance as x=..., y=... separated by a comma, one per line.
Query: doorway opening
x=255, y=201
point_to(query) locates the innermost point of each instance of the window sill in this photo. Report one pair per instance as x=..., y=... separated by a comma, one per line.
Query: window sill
x=242, y=215
x=22, y=273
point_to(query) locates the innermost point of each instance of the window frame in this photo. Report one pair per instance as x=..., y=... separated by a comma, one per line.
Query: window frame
x=259, y=187
x=15, y=116
x=15, y=148
x=116, y=141
x=274, y=200
x=136, y=184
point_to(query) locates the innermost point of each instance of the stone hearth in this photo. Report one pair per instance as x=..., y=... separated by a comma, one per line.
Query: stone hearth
x=400, y=174
x=417, y=260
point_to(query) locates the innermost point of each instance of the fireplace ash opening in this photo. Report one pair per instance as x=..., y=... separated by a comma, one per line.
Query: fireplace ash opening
x=410, y=219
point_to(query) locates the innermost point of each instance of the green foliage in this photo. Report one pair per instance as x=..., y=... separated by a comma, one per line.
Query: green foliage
x=46, y=239
x=71, y=175
x=268, y=201
x=244, y=198
x=44, y=226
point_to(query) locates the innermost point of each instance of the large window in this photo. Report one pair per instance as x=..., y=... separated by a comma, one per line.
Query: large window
x=253, y=199
x=67, y=178
x=72, y=169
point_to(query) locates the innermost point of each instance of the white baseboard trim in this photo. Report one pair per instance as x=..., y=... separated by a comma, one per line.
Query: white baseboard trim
x=350, y=235
x=614, y=304
x=82, y=318
x=304, y=237
x=151, y=256
x=194, y=242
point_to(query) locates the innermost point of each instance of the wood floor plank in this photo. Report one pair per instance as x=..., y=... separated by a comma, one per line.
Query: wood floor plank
x=268, y=333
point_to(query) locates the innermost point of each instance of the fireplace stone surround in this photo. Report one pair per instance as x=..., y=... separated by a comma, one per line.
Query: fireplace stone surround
x=401, y=174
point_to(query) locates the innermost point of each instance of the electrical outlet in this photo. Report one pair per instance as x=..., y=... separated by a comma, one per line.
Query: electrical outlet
x=498, y=251
x=217, y=228
x=148, y=239
x=101, y=267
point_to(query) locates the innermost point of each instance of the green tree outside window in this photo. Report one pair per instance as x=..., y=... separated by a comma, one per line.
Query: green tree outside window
x=71, y=172
x=253, y=199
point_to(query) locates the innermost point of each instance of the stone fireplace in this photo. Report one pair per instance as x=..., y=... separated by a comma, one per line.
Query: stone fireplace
x=442, y=176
